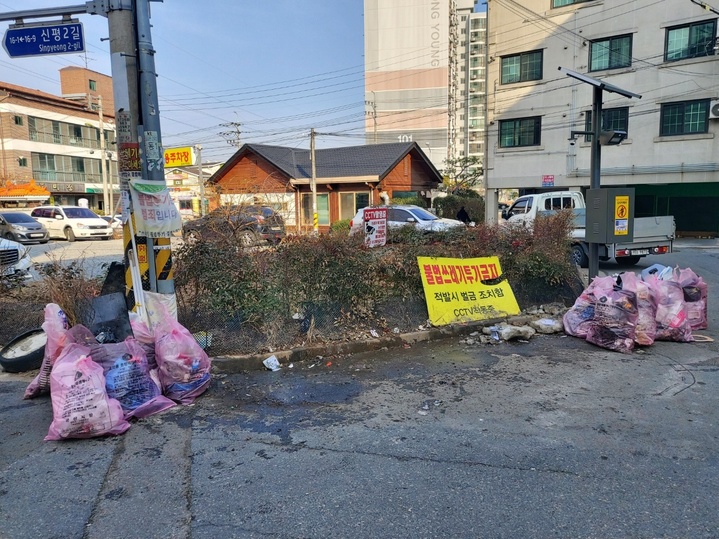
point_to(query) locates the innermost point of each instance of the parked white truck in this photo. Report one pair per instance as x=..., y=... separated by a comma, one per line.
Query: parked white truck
x=652, y=235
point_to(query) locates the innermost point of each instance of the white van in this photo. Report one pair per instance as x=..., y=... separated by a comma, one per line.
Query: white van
x=72, y=222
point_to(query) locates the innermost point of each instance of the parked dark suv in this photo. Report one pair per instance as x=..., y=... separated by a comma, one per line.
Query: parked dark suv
x=244, y=225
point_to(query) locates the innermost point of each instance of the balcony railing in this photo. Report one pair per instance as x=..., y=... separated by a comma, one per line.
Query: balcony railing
x=67, y=177
x=56, y=138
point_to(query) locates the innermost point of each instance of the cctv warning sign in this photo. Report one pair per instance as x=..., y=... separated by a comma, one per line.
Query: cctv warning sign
x=375, y=227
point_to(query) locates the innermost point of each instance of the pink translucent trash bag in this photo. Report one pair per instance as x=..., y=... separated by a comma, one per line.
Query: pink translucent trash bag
x=695, y=296
x=55, y=327
x=578, y=318
x=646, y=328
x=671, y=317
x=80, y=405
x=184, y=367
x=127, y=378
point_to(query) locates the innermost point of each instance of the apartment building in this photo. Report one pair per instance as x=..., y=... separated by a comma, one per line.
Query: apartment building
x=651, y=48
x=424, y=76
x=56, y=141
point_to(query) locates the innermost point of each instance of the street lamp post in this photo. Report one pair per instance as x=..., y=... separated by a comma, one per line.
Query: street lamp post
x=596, y=154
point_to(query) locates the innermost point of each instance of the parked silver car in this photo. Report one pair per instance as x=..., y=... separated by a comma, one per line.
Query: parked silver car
x=408, y=215
x=20, y=227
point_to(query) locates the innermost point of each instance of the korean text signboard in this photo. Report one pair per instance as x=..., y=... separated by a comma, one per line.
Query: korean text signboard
x=156, y=215
x=465, y=289
x=179, y=157
x=375, y=226
x=39, y=40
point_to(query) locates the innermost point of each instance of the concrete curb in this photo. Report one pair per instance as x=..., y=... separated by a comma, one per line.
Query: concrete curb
x=236, y=364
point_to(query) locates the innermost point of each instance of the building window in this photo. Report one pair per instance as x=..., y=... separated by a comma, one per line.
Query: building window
x=32, y=128
x=612, y=119
x=56, y=132
x=93, y=85
x=522, y=67
x=43, y=168
x=323, y=209
x=18, y=120
x=520, y=132
x=22, y=161
x=351, y=202
x=690, y=41
x=561, y=3
x=76, y=134
x=610, y=53
x=185, y=204
x=685, y=118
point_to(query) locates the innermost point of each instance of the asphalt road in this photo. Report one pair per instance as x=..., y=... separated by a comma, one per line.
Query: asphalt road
x=549, y=438
x=92, y=255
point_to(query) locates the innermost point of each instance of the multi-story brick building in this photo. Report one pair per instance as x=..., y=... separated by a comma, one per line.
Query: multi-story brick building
x=651, y=48
x=56, y=140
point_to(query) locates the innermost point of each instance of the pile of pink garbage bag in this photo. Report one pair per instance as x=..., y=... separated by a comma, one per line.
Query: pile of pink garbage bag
x=96, y=388
x=620, y=312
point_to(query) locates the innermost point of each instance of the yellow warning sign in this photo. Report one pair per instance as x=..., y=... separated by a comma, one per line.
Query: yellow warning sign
x=621, y=207
x=621, y=215
x=142, y=254
x=465, y=289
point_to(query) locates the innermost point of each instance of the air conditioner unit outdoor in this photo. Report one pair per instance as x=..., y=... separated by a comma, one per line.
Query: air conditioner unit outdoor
x=714, y=110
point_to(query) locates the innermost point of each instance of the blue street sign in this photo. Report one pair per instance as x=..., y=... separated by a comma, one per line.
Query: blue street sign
x=61, y=38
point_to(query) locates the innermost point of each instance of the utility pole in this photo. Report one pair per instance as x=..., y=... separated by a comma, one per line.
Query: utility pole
x=106, y=202
x=373, y=104
x=123, y=52
x=315, y=220
x=200, y=179
x=139, y=144
x=233, y=137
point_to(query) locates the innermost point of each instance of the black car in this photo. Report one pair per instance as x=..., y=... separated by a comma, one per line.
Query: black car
x=20, y=227
x=244, y=225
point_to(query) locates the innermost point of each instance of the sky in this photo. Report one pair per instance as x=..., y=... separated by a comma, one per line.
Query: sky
x=277, y=68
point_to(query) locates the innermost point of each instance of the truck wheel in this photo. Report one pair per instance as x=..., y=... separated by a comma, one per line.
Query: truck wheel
x=579, y=257
x=627, y=261
x=25, y=352
x=69, y=234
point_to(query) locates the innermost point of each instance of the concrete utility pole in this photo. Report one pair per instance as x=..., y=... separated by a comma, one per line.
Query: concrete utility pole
x=106, y=201
x=373, y=104
x=153, y=162
x=315, y=220
x=138, y=122
x=123, y=52
x=200, y=179
x=233, y=137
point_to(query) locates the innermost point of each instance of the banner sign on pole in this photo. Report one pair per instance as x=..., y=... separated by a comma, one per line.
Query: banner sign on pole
x=465, y=289
x=156, y=215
